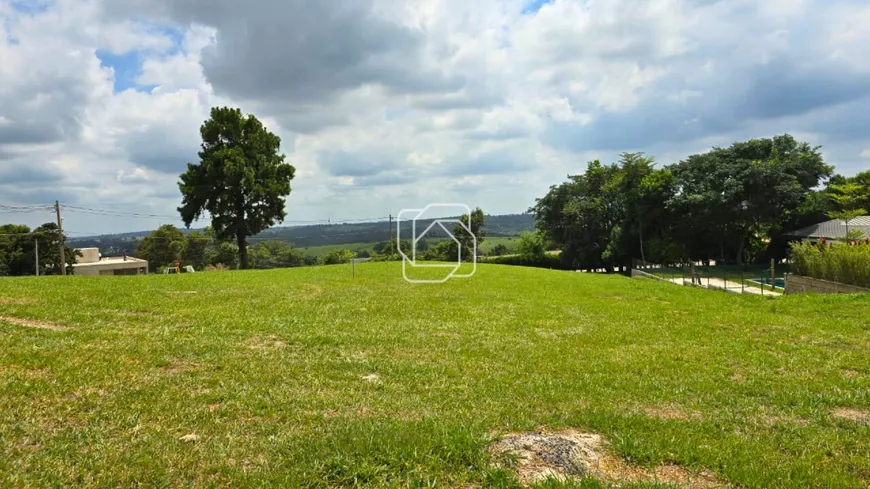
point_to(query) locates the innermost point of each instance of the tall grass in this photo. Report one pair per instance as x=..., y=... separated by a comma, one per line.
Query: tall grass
x=847, y=263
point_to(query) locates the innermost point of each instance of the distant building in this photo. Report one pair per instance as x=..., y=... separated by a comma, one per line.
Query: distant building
x=93, y=263
x=833, y=229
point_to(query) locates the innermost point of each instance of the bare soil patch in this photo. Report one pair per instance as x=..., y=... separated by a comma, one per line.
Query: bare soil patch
x=569, y=454
x=850, y=373
x=141, y=314
x=33, y=323
x=180, y=366
x=671, y=412
x=268, y=343
x=852, y=414
x=311, y=291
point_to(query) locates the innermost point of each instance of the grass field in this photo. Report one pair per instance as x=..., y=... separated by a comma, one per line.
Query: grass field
x=485, y=247
x=310, y=378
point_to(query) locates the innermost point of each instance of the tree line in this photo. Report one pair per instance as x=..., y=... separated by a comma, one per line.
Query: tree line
x=732, y=205
x=22, y=249
x=207, y=250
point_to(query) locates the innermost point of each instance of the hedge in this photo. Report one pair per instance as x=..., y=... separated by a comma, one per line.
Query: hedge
x=846, y=263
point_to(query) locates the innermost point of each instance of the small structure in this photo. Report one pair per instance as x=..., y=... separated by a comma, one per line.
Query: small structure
x=833, y=229
x=93, y=263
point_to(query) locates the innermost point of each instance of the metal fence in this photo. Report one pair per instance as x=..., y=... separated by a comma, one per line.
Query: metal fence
x=744, y=279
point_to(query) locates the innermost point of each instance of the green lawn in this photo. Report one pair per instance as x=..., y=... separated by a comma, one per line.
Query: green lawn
x=310, y=378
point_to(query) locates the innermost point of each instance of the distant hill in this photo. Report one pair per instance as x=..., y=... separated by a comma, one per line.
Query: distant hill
x=321, y=234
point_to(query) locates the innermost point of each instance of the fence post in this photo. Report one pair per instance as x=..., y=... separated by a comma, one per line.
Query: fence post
x=742, y=281
x=725, y=280
x=772, y=276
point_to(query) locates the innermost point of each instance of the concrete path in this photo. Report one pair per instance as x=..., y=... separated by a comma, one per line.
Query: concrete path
x=731, y=286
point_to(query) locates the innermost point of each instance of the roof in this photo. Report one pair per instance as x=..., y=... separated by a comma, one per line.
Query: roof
x=833, y=229
x=115, y=260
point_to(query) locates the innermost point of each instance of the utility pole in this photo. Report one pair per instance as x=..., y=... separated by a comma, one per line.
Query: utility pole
x=60, y=232
x=390, y=240
x=36, y=252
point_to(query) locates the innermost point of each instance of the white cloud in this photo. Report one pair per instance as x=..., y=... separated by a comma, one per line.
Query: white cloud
x=385, y=104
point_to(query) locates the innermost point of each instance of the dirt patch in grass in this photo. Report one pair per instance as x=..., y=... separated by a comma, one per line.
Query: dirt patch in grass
x=268, y=343
x=179, y=366
x=33, y=323
x=782, y=420
x=852, y=414
x=671, y=412
x=850, y=373
x=568, y=454
x=15, y=300
x=309, y=292
x=140, y=314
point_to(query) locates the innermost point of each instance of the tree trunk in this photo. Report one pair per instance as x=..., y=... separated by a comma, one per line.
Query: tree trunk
x=640, y=234
x=740, y=247
x=243, y=250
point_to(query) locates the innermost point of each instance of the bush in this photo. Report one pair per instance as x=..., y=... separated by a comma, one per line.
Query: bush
x=336, y=257
x=532, y=245
x=846, y=263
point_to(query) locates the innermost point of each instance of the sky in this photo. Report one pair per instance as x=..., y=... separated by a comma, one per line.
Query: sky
x=384, y=105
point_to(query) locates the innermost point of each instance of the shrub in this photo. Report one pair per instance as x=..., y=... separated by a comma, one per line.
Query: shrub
x=336, y=257
x=846, y=263
x=532, y=245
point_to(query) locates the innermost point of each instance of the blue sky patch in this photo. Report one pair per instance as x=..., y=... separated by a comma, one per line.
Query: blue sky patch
x=127, y=67
x=533, y=6
x=31, y=6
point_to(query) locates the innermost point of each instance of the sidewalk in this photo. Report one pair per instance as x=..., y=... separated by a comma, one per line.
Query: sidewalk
x=732, y=286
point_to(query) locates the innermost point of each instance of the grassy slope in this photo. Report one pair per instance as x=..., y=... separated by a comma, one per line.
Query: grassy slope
x=266, y=368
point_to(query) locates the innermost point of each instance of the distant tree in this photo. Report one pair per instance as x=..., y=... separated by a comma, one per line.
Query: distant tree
x=275, y=254
x=162, y=247
x=194, y=249
x=363, y=254
x=499, y=250
x=336, y=257
x=847, y=198
x=441, y=251
x=241, y=180
x=532, y=245
x=222, y=253
x=49, y=250
x=18, y=250
x=474, y=222
x=390, y=248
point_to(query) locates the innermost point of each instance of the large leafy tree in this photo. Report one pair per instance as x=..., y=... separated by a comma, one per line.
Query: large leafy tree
x=241, y=180
x=740, y=193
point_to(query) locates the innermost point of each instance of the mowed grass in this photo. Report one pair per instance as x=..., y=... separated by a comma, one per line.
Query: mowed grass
x=308, y=377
